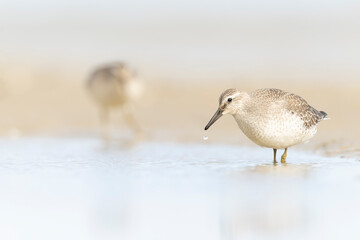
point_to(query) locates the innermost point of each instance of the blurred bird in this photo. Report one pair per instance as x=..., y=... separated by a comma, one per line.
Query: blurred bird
x=270, y=117
x=114, y=85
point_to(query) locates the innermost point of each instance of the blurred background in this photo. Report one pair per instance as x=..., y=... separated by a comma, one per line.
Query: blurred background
x=56, y=181
x=187, y=53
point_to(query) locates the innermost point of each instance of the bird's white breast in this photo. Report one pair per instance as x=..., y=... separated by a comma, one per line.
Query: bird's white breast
x=134, y=89
x=280, y=130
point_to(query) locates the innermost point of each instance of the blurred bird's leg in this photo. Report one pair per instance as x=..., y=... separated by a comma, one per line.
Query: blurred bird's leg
x=104, y=118
x=131, y=121
x=274, y=155
x=283, y=157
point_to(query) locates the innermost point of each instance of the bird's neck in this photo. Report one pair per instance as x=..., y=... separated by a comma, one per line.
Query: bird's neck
x=246, y=110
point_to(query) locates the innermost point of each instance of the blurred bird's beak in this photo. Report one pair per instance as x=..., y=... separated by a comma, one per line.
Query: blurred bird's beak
x=216, y=116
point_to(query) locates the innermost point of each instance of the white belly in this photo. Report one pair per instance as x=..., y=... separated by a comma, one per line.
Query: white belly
x=275, y=132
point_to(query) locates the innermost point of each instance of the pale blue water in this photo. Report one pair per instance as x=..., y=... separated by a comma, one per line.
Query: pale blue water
x=75, y=189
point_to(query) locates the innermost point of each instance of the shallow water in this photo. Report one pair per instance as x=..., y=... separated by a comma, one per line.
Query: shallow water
x=76, y=188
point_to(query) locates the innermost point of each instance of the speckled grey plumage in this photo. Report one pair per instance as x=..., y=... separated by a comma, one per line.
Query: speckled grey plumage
x=270, y=117
x=292, y=103
x=113, y=84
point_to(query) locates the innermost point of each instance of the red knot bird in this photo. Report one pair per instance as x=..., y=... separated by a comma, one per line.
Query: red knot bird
x=115, y=85
x=270, y=117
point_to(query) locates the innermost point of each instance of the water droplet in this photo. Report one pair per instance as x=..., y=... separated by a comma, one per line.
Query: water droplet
x=205, y=138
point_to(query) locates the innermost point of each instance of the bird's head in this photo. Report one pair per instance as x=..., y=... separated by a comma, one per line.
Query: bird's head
x=230, y=102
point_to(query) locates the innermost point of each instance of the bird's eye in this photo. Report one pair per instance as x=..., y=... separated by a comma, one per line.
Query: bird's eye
x=229, y=99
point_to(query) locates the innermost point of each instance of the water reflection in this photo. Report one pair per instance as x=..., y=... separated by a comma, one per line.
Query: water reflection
x=179, y=191
x=114, y=144
x=282, y=169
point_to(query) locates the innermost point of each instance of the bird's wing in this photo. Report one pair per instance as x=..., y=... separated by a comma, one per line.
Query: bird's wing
x=293, y=103
x=297, y=105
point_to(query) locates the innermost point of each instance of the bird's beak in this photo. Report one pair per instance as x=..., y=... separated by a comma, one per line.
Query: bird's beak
x=216, y=116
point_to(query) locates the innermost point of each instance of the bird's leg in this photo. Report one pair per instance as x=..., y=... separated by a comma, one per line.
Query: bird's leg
x=283, y=157
x=104, y=118
x=130, y=120
x=274, y=155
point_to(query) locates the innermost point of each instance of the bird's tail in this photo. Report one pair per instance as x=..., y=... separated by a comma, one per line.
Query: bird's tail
x=324, y=115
